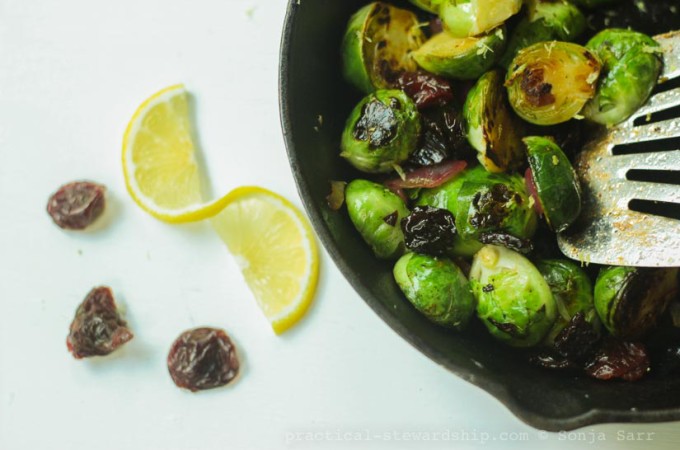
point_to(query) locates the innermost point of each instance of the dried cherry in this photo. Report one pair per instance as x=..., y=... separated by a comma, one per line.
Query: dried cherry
x=507, y=240
x=618, y=359
x=97, y=328
x=429, y=230
x=577, y=340
x=77, y=205
x=203, y=358
x=443, y=137
x=425, y=89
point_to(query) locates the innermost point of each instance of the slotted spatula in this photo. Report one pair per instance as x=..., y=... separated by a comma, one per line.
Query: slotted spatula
x=608, y=231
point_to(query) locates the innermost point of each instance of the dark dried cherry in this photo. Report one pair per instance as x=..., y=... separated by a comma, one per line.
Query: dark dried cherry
x=425, y=89
x=508, y=241
x=203, y=358
x=443, y=137
x=618, y=359
x=97, y=328
x=429, y=230
x=577, y=340
x=77, y=205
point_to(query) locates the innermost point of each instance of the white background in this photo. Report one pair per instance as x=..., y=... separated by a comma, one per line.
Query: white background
x=71, y=74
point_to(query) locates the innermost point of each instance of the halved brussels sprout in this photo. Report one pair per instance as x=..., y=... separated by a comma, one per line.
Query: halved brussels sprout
x=630, y=300
x=464, y=18
x=377, y=45
x=428, y=5
x=556, y=182
x=461, y=58
x=513, y=300
x=499, y=204
x=482, y=202
x=546, y=20
x=377, y=212
x=492, y=128
x=437, y=288
x=631, y=65
x=381, y=131
x=572, y=291
x=549, y=82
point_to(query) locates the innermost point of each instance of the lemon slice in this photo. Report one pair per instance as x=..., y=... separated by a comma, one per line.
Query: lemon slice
x=159, y=161
x=274, y=245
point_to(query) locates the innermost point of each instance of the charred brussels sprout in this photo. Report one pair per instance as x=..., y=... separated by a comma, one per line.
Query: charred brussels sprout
x=492, y=129
x=381, y=131
x=631, y=65
x=377, y=212
x=463, y=18
x=556, y=182
x=377, y=46
x=499, y=204
x=483, y=202
x=549, y=82
x=572, y=291
x=630, y=300
x=461, y=58
x=546, y=20
x=437, y=288
x=513, y=300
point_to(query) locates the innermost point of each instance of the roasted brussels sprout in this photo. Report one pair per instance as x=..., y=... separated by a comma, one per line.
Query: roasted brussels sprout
x=381, y=131
x=549, y=82
x=555, y=181
x=461, y=58
x=377, y=212
x=377, y=45
x=572, y=291
x=513, y=300
x=630, y=300
x=631, y=63
x=437, y=288
x=483, y=202
x=464, y=18
x=492, y=129
x=546, y=20
x=498, y=204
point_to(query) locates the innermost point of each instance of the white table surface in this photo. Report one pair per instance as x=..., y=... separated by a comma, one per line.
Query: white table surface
x=71, y=74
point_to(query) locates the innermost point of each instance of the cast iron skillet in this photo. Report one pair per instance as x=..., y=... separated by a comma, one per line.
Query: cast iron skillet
x=315, y=102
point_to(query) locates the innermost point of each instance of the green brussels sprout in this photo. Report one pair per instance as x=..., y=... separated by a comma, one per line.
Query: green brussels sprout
x=556, y=182
x=572, y=291
x=513, y=300
x=376, y=212
x=630, y=300
x=381, y=131
x=502, y=205
x=437, y=288
x=378, y=44
x=549, y=82
x=546, y=20
x=499, y=204
x=464, y=18
x=492, y=129
x=431, y=6
x=461, y=58
x=631, y=63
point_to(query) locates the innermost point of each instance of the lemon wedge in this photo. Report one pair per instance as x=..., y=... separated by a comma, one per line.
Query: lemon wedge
x=159, y=160
x=275, y=248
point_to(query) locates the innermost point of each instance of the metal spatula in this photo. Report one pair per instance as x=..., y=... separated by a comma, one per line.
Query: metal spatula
x=608, y=231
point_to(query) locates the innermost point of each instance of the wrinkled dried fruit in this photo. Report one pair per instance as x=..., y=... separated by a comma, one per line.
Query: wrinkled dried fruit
x=508, y=241
x=202, y=358
x=425, y=89
x=429, y=230
x=97, y=328
x=443, y=136
x=619, y=359
x=77, y=205
x=577, y=340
